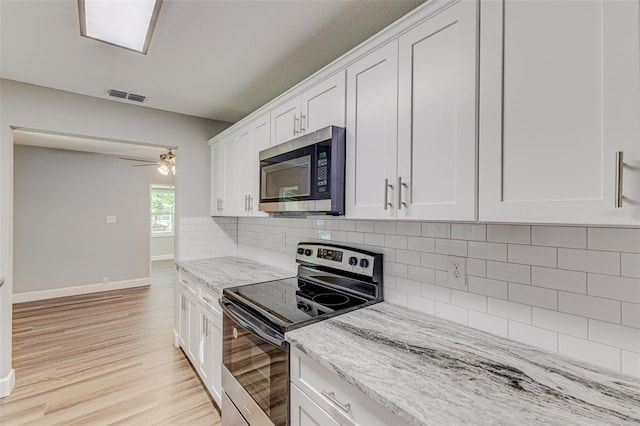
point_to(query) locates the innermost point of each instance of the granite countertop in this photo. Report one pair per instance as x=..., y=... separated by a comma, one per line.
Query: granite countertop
x=431, y=371
x=221, y=272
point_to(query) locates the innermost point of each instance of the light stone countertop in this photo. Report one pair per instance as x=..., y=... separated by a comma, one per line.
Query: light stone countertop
x=431, y=371
x=221, y=272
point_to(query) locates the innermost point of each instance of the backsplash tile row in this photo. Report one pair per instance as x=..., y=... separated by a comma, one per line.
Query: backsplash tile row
x=571, y=290
x=201, y=237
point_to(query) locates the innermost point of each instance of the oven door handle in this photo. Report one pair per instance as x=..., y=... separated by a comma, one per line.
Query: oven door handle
x=238, y=315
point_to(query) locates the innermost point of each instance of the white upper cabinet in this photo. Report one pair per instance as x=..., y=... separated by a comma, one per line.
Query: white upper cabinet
x=245, y=174
x=224, y=160
x=411, y=123
x=559, y=97
x=322, y=105
x=437, y=117
x=372, y=126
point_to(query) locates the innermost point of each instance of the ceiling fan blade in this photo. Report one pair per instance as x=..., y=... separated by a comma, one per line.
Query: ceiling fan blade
x=143, y=160
x=144, y=165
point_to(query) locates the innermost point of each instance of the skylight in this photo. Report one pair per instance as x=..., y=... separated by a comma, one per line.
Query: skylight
x=124, y=23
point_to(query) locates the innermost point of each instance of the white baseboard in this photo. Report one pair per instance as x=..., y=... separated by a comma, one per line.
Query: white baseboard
x=82, y=289
x=7, y=383
x=162, y=257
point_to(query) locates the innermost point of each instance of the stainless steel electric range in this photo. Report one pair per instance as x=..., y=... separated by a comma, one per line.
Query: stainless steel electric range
x=331, y=280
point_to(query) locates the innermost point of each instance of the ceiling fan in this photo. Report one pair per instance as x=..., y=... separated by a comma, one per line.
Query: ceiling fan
x=166, y=164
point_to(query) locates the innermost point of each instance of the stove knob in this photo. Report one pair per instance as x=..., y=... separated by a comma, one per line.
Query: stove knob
x=307, y=252
x=353, y=261
x=300, y=250
x=364, y=263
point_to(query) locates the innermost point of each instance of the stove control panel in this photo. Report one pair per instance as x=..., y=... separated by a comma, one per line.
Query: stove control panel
x=339, y=257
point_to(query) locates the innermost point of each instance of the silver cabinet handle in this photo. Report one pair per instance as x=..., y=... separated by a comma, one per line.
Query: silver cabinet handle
x=209, y=301
x=400, y=185
x=619, y=170
x=246, y=208
x=1, y=281
x=250, y=203
x=295, y=127
x=331, y=396
x=387, y=204
x=302, y=118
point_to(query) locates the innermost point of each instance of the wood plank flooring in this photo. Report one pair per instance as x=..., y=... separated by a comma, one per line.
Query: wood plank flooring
x=104, y=359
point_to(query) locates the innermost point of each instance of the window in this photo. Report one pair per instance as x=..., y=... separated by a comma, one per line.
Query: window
x=162, y=211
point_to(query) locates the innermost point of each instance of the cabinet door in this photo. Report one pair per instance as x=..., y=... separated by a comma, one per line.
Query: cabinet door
x=324, y=104
x=203, y=353
x=217, y=178
x=184, y=322
x=214, y=359
x=437, y=116
x=559, y=95
x=230, y=201
x=285, y=121
x=261, y=140
x=305, y=412
x=245, y=169
x=372, y=124
x=194, y=331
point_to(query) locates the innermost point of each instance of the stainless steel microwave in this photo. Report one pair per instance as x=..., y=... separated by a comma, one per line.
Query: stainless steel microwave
x=304, y=175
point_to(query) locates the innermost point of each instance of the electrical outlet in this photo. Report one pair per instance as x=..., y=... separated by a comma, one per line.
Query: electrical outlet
x=458, y=270
x=105, y=280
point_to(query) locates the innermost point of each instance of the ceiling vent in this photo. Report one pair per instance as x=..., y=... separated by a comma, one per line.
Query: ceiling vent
x=125, y=95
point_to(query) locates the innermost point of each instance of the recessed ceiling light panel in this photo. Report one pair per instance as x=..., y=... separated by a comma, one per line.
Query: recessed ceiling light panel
x=124, y=23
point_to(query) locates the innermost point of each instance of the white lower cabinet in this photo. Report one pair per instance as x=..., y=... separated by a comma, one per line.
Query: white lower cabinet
x=200, y=333
x=320, y=397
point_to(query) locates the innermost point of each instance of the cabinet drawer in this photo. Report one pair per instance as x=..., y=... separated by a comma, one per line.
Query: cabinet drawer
x=188, y=282
x=209, y=301
x=340, y=399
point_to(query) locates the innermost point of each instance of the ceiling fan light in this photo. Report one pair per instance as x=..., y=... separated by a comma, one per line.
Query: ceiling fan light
x=163, y=169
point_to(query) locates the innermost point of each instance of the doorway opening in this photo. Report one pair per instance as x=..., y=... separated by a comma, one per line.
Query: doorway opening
x=162, y=222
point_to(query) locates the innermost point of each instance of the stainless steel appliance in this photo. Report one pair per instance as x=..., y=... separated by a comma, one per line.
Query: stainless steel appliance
x=331, y=280
x=304, y=175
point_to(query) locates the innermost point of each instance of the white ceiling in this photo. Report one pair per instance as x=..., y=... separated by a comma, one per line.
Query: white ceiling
x=207, y=58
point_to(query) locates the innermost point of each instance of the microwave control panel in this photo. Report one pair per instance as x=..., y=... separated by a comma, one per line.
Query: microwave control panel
x=323, y=162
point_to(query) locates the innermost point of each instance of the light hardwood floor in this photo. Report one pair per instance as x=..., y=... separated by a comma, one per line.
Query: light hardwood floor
x=102, y=359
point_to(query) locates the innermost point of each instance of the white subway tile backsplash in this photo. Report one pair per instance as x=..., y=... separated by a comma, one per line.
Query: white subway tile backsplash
x=489, y=323
x=427, y=245
x=408, y=286
x=614, y=239
x=602, y=262
x=509, y=272
x=452, y=313
x=514, y=287
x=408, y=228
x=631, y=265
x=559, y=279
x=631, y=314
x=572, y=325
x=396, y=241
x=435, y=261
x=422, y=304
x=467, y=300
x=435, y=292
x=408, y=257
x=517, y=234
x=594, y=353
x=489, y=251
x=509, y=310
x=477, y=267
x=589, y=306
x=451, y=247
x=535, y=296
x=533, y=255
x=365, y=226
x=424, y=275
x=469, y=232
x=559, y=236
x=611, y=287
x=631, y=363
x=436, y=230
x=374, y=239
x=533, y=336
x=384, y=227
x=619, y=336
x=487, y=287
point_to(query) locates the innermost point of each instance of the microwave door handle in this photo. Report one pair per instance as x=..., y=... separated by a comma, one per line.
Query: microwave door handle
x=238, y=318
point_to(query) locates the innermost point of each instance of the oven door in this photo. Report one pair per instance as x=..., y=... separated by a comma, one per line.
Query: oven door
x=255, y=370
